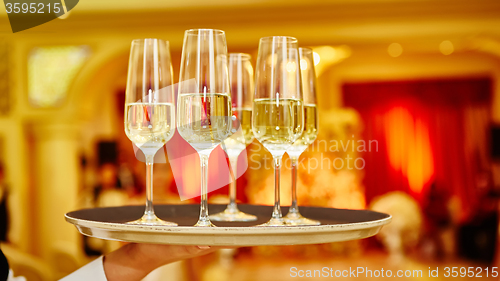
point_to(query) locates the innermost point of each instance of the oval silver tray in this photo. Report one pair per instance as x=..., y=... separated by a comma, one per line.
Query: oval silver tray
x=336, y=225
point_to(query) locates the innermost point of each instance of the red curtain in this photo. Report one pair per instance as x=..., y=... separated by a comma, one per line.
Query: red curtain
x=429, y=133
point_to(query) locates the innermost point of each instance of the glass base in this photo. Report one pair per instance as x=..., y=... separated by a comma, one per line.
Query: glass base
x=204, y=222
x=151, y=219
x=275, y=222
x=295, y=218
x=231, y=213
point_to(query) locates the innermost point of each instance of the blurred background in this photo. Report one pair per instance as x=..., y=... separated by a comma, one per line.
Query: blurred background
x=408, y=92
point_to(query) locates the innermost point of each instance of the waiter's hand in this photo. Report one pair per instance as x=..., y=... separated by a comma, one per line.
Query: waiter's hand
x=135, y=261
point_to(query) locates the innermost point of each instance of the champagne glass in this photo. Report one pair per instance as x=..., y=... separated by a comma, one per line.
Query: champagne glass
x=204, y=101
x=308, y=136
x=277, y=107
x=149, y=109
x=242, y=84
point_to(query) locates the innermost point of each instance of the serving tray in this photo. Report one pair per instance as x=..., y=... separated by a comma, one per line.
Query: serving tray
x=336, y=225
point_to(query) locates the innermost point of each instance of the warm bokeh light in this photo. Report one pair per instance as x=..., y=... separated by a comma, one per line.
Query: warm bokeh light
x=395, y=50
x=331, y=53
x=51, y=71
x=303, y=64
x=291, y=67
x=326, y=56
x=316, y=58
x=446, y=47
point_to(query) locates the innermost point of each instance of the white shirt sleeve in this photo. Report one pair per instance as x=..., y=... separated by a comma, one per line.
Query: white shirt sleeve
x=92, y=271
x=12, y=278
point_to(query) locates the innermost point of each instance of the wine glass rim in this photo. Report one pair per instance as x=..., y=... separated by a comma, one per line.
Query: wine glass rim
x=144, y=39
x=242, y=55
x=195, y=31
x=288, y=38
x=309, y=50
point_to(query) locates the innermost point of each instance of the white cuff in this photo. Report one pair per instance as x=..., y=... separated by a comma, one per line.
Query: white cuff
x=92, y=271
x=12, y=278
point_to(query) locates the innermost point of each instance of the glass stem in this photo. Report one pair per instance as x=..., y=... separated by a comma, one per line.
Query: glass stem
x=204, y=219
x=233, y=161
x=149, y=213
x=294, y=208
x=277, y=171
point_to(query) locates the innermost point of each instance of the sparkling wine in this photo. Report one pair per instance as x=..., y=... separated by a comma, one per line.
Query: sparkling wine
x=149, y=125
x=310, y=131
x=242, y=134
x=204, y=119
x=277, y=123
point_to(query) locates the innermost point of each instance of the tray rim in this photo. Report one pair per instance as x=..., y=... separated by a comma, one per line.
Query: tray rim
x=230, y=230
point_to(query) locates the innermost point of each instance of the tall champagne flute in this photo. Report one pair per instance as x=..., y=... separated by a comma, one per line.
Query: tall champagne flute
x=242, y=91
x=204, y=100
x=149, y=109
x=308, y=136
x=278, y=107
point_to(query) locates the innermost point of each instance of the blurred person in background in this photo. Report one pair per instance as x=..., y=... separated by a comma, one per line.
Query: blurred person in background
x=108, y=192
x=439, y=219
